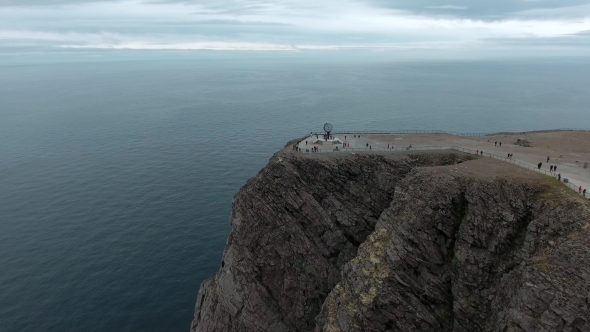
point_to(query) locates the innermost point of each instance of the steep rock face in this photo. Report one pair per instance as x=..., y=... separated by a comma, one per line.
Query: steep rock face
x=477, y=247
x=294, y=226
x=399, y=242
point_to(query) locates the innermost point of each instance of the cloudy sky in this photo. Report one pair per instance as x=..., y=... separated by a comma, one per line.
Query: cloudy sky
x=297, y=25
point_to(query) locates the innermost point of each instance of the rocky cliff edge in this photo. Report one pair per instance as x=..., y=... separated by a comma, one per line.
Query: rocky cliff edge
x=434, y=241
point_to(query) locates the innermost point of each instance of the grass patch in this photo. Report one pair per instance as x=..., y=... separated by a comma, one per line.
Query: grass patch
x=556, y=191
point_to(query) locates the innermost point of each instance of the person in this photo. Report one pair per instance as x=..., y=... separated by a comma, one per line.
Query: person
x=367, y=144
x=559, y=177
x=584, y=192
x=476, y=151
x=388, y=145
x=548, y=158
x=369, y=147
x=540, y=164
x=305, y=142
x=555, y=168
x=481, y=152
x=496, y=143
x=580, y=189
x=359, y=136
x=345, y=137
x=500, y=143
x=348, y=144
x=551, y=168
x=509, y=155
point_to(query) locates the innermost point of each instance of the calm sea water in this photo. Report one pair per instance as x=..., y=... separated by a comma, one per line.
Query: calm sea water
x=116, y=177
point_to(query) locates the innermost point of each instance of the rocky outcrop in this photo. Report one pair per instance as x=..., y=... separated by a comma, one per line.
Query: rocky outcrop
x=400, y=242
x=460, y=251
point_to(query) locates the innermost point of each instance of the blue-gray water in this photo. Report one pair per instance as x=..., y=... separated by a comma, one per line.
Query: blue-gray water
x=116, y=177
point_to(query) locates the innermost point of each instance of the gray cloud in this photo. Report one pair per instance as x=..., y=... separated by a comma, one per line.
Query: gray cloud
x=235, y=10
x=466, y=9
x=582, y=34
x=237, y=22
x=16, y=3
x=452, y=7
x=483, y=10
x=572, y=41
x=264, y=24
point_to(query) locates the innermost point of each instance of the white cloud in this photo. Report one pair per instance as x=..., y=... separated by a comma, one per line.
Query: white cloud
x=447, y=7
x=240, y=46
x=283, y=25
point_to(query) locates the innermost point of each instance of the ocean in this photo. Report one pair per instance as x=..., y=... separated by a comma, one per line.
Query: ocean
x=117, y=176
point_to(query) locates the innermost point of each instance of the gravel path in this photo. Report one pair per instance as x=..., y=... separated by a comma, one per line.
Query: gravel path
x=568, y=150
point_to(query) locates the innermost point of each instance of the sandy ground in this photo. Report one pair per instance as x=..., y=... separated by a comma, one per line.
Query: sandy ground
x=568, y=150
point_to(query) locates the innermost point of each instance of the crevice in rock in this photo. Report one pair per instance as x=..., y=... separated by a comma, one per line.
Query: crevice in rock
x=351, y=239
x=459, y=205
x=520, y=236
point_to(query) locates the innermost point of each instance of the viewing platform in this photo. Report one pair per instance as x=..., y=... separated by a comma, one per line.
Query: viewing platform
x=567, y=150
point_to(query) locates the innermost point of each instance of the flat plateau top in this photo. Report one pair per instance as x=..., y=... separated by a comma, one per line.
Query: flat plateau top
x=568, y=150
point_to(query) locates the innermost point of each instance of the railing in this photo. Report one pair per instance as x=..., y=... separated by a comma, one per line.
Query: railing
x=449, y=147
x=519, y=163
x=399, y=132
x=337, y=148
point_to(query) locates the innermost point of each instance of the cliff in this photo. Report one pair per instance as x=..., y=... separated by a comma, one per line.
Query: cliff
x=400, y=242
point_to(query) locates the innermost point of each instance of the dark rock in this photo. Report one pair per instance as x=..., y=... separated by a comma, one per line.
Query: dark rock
x=395, y=242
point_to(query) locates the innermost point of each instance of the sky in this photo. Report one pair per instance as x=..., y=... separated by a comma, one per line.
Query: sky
x=512, y=26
